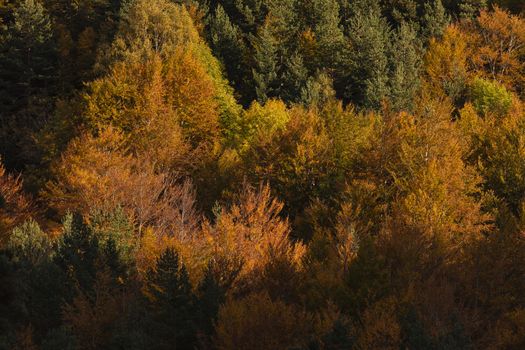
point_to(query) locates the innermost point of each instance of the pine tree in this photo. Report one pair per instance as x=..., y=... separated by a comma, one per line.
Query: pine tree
x=366, y=78
x=77, y=253
x=83, y=30
x=27, y=57
x=29, y=244
x=469, y=9
x=294, y=78
x=265, y=69
x=405, y=65
x=322, y=17
x=351, y=9
x=227, y=43
x=171, y=303
x=400, y=11
x=434, y=19
x=218, y=280
x=28, y=73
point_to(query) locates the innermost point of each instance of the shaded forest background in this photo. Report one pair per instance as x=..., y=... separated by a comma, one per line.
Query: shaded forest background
x=262, y=174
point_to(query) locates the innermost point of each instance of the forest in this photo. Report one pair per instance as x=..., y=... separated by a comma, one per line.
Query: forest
x=262, y=174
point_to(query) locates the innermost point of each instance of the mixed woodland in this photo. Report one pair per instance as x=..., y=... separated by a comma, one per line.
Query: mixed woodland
x=262, y=174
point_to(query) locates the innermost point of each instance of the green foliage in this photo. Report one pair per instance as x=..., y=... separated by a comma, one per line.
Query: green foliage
x=115, y=228
x=265, y=70
x=434, y=20
x=490, y=97
x=27, y=51
x=29, y=244
x=264, y=121
x=406, y=64
x=470, y=8
x=386, y=139
x=28, y=80
x=501, y=162
x=219, y=277
x=227, y=43
x=367, y=80
x=171, y=303
x=77, y=237
x=318, y=90
x=98, y=252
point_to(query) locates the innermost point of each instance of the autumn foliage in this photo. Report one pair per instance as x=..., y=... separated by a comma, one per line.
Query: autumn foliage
x=292, y=174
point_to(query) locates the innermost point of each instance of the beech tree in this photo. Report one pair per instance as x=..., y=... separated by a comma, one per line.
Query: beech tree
x=262, y=174
x=114, y=178
x=15, y=206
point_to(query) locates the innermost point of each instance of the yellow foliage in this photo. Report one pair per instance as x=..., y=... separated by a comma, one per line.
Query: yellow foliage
x=15, y=206
x=158, y=26
x=499, y=46
x=252, y=231
x=263, y=121
x=97, y=172
x=436, y=185
x=380, y=327
x=446, y=62
x=492, y=46
x=150, y=28
x=257, y=322
x=165, y=108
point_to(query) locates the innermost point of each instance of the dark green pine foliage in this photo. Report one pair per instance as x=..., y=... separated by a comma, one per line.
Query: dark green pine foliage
x=27, y=57
x=351, y=9
x=39, y=283
x=434, y=19
x=84, y=29
x=366, y=80
x=277, y=70
x=265, y=64
x=293, y=72
x=323, y=19
x=170, y=304
x=28, y=77
x=471, y=8
x=77, y=253
x=115, y=232
x=81, y=253
x=405, y=67
x=294, y=78
x=427, y=17
x=218, y=279
x=211, y=296
x=467, y=9
x=11, y=307
x=401, y=11
x=227, y=42
x=257, y=41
